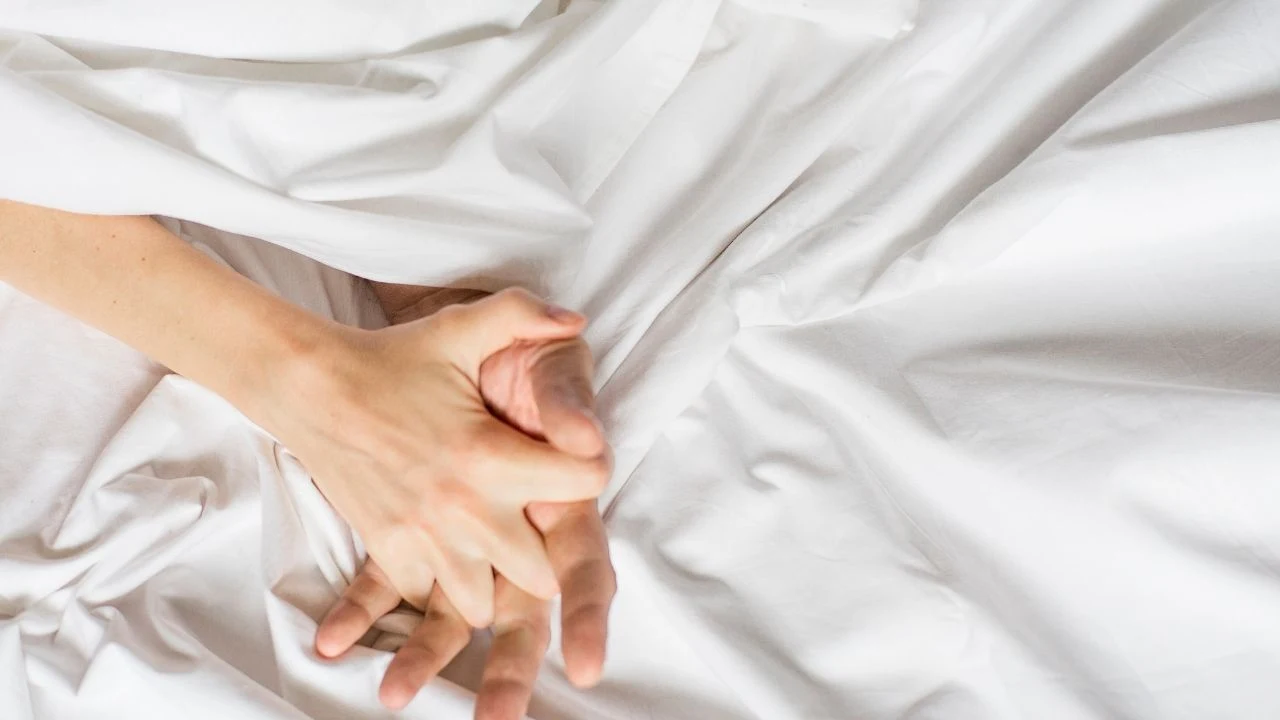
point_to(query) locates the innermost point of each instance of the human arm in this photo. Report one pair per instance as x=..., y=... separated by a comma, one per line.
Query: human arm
x=134, y=280
x=390, y=423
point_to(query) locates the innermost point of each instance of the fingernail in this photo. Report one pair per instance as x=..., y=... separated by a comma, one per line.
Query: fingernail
x=562, y=315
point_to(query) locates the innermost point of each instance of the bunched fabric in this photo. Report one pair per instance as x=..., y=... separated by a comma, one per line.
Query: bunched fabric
x=939, y=343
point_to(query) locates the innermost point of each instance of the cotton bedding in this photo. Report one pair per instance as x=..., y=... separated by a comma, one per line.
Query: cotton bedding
x=939, y=344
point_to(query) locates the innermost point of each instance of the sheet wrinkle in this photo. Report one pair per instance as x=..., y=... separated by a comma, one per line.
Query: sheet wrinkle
x=707, y=276
x=628, y=460
x=1055, y=656
x=1229, y=553
x=1260, y=109
x=264, y=233
x=1070, y=354
x=935, y=572
x=908, y=515
x=1086, y=83
x=667, y=46
x=673, y=617
x=930, y=550
x=285, y=31
x=966, y=542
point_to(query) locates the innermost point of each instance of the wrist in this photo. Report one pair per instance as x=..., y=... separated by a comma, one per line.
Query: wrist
x=284, y=356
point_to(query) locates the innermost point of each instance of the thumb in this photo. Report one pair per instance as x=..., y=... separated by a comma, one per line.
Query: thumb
x=476, y=331
x=562, y=390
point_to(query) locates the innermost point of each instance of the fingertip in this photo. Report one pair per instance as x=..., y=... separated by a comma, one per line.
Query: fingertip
x=548, y=587
x=477, y=615
x=565, y=316
x=331, y=636
x=394, y=694
x=545, y=516
x=584, y=648
x=555, y=321
x=577, y=432
x=327, y=645
x=539, y=587
x=584, y=673
x=539, y=581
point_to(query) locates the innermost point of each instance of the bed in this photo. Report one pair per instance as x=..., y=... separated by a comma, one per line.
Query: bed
x=939, y=343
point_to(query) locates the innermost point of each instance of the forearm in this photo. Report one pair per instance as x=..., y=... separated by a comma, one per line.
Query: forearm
x=136, y=281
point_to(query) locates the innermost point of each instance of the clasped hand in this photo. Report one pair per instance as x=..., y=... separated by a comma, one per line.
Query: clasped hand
x=463, y=448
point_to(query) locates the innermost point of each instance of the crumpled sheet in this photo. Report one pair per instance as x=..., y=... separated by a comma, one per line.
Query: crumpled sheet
x=939, y=344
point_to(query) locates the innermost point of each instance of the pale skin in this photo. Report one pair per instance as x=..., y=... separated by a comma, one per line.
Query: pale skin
x=545, y=390
x=452, y=500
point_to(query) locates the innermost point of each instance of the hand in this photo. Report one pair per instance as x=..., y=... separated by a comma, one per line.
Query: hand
x=543, y=389
x=400, y=441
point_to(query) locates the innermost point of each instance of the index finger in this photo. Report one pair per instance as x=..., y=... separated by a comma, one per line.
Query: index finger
x=486, y=326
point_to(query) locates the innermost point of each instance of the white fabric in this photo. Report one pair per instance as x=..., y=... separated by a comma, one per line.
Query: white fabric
x=940, y=345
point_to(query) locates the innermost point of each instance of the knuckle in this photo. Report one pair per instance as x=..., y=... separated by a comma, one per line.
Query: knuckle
x=513, y=294
x=458, y=636
x=402, y=522
x=456, y=498
x=445, y=492
x=449, y=631
x=479, y=454
x=585, y=615
x=436, y=615
x=418, y=654
x=516, y=300
x=598, y=576
x=361, y=612
x=536, y=629
x=448, y=319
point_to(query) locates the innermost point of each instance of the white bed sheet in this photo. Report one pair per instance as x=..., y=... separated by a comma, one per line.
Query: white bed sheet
x=940, y=344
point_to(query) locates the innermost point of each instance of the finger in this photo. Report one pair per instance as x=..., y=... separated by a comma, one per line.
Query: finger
x=432, y=645
x=407, y=560
x=520, y=641
x=544, y=516
x=468, y=584
x=517, y=553
x=532, y=471
x=365, y=600
x=561, y=380
x=484, y=327
x=579, y=551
